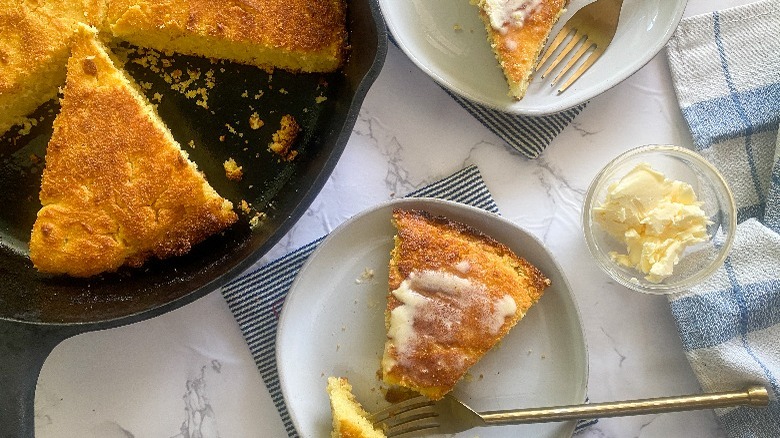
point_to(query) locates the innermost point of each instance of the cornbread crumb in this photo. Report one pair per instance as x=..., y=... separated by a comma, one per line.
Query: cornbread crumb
x=255, y=122
x=244, y=206
x=233, y=171
x=366, y=276
x=27, y=125
x=256, y=219
x=489, y=273
x=191, y=144
x=284, y=138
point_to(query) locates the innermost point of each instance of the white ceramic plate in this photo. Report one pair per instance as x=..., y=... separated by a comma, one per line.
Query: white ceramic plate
x=463, y=61
x=332, y=324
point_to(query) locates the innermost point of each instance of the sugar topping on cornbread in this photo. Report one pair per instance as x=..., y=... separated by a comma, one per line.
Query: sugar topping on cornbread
x=453, y=294
x=117, y=188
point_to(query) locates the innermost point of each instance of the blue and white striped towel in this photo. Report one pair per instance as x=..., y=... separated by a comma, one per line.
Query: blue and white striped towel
x=726, y=72
x=257, y=297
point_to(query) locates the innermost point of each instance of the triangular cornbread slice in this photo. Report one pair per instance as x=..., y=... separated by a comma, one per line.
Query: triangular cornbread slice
x=297, y=35
x=117, y=188
x=454, y=293
x=350, y=420
x=517, y=31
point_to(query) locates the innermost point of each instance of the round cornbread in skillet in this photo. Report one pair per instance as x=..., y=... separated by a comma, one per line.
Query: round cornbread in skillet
x=117, y=188
x=296, y=35
x=454, y=293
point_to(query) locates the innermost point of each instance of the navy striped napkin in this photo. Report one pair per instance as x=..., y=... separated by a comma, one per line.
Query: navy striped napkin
x=256, y=298
x=525, y=134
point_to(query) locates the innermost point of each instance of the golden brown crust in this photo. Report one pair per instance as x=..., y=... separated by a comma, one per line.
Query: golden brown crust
x=517, y=47
x=298, y=35
x=428, y=243
x=33, y=52
x=117, y=189
x=292, y=34
x=284, y=138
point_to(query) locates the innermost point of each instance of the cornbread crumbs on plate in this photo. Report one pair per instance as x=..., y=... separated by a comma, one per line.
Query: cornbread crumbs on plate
x=233, y=171
x=284, y=138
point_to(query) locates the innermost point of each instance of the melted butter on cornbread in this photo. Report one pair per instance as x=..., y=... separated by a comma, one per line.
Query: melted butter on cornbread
x=434, y=304
x=454, y=292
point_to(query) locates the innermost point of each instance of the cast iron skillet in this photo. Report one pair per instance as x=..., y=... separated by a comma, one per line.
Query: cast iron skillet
x=37, y=311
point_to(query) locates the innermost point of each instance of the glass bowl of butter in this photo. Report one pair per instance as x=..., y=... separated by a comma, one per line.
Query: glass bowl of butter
x=659, y=219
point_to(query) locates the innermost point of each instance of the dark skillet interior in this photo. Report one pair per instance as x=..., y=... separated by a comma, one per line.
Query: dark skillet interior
x=281, y=190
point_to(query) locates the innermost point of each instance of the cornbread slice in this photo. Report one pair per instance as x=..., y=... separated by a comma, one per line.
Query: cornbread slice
x=454, y=293
x=517, y=31
x=350, y=420
x=90, y=12
x=297, y=35
x=117, y=188
x=33, y=54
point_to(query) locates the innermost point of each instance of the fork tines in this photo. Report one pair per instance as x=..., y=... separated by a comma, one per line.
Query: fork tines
x=591, y=28
x=410, y=416
x=584, y=45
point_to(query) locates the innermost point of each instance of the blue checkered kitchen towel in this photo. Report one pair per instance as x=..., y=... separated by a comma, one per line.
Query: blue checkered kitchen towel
x=257, y=297
x=726, y=72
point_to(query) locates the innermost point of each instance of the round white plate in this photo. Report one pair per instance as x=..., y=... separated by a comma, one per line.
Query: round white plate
x=332, y=324
x=462, y=60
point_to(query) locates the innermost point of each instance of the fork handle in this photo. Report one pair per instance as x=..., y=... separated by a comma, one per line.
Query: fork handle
x=751, y=396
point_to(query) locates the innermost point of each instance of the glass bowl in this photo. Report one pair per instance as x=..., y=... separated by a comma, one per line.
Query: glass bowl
x=698, y=261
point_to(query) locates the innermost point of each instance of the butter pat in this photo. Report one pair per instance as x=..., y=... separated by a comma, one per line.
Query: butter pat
x=655, y=217
x=508, y=12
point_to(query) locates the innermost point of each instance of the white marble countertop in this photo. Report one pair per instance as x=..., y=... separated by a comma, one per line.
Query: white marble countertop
x=189, y=373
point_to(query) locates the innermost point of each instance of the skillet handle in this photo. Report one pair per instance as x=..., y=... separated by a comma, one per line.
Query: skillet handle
x=23, y=349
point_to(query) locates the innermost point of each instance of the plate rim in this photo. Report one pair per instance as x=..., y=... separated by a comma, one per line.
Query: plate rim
x=516, y=107
x=418, y=202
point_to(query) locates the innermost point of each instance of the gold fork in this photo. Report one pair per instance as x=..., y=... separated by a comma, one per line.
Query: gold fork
x=592, y=27
x=420, y=415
